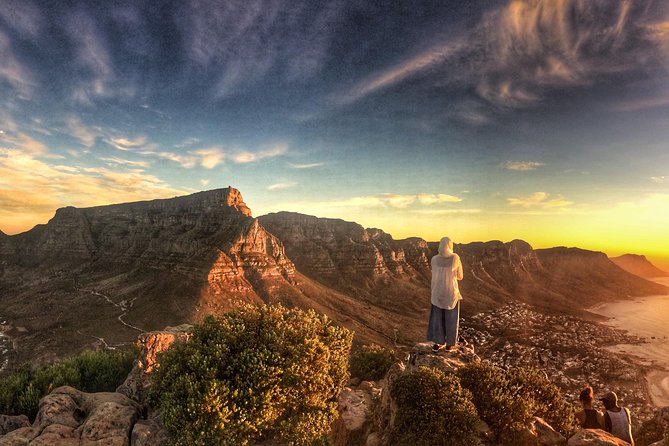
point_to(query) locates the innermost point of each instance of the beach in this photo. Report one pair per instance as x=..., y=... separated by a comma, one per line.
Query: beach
x=646, y=317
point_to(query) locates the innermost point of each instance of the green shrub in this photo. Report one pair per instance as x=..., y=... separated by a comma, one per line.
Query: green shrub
x=22, y=389
x=371, y=362
x=548, y=402
x=507, y=400
x=432, y=410
x=256, y=372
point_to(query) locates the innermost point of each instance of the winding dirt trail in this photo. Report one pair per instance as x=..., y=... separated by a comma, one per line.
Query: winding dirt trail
x=124, y=305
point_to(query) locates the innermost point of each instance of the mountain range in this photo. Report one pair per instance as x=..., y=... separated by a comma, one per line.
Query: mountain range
x=99, y=275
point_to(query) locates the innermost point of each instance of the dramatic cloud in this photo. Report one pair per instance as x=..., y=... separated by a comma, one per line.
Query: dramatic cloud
x=522, y=52
x=541, y=200
x=522, y=166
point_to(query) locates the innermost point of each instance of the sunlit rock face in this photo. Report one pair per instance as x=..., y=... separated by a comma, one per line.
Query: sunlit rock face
x=337, y=252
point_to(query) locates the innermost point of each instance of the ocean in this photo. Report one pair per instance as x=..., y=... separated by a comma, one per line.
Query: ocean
x=646, y=317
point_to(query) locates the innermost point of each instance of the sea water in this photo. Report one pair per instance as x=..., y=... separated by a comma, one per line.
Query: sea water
x=646, y=317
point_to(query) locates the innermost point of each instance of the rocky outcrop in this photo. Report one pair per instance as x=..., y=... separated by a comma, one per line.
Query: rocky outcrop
x=638, y=265
x=138, y=382
x=595, y=437
x=69, y=417
x=10, y=423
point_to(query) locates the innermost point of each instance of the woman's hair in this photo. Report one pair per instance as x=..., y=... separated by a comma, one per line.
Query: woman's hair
x=587, y=395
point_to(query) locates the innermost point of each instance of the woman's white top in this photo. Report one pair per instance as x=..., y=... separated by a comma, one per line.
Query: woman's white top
x=446, y=271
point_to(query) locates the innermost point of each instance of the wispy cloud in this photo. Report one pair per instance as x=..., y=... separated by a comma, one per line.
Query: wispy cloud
x=23, y=16
x=660, y=179
x=249, y=157
x=399, y=72
x=305, y=166
x=245, y=41
x=283, y=185
x=82, y=132
x=541, y=200
x=127, y=144
x=12, y=71
x=446, y=211
x=211, y=157
x=124, y=162
x=395, y=201
x=96, y=76
x=522, y=166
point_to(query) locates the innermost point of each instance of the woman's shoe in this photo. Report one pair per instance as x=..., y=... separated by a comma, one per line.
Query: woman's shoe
x=437, y=347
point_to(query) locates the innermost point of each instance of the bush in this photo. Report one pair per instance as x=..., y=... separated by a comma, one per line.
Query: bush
x=22, y=389
x=507, y=400
x=371, y=362
x=257, y=372
x=432, y=410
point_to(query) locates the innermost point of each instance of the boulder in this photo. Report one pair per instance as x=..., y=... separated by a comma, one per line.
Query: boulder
x=355, y=414
x=595, y=437
x=70, y=417
x=544, y=433
x=149, y=433
x=138, y=382
x=9, y=423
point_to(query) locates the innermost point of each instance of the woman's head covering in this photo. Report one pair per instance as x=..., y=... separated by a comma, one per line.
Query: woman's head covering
x=446, y=247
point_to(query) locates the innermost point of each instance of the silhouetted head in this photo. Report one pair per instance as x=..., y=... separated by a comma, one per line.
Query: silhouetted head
x=445, y=247
x=587, y=396
x=610, y=400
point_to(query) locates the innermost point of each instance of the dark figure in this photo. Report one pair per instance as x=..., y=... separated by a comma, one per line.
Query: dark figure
x=589, y=418
x=617, y=420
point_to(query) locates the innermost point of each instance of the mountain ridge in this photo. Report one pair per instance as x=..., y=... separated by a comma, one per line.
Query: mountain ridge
x=95, y=276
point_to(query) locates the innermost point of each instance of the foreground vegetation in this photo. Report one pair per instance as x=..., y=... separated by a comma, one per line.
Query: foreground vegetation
x=255, y=373
x=90, y=371
x=438, y=409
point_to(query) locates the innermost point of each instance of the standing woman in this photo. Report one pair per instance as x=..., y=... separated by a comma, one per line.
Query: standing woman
x=445, y=314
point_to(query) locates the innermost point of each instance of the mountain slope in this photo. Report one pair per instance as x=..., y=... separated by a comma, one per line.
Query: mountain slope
x=638, y=265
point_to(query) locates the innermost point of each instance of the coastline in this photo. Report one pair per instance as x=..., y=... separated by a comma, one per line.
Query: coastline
x=638, y=318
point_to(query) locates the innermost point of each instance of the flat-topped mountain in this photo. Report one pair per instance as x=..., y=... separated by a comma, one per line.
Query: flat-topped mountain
x=639, y=265
x=99, y=275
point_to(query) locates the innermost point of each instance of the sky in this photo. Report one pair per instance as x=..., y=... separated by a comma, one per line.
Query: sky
x=546, y=121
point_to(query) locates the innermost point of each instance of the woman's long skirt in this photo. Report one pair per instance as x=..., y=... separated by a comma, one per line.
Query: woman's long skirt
x=443, y=325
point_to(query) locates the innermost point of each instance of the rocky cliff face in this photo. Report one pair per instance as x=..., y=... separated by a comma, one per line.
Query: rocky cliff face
x=338, y=252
